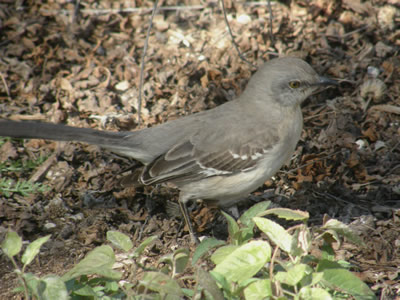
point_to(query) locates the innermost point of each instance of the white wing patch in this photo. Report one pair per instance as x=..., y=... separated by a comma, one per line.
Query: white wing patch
x=207, y=171
x=257, y=155
x=254, y=156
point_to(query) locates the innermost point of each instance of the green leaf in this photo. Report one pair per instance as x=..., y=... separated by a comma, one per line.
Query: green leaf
x=233, y=227
x=207, y=282
x=98, y=261
x=205, y=246
x=343, y=230
x=222, y=281
x=12, y=244
x=52, y=288
x=176, y=261
x=168, y=260
x=119, y=240
x=112, y=286
x=287, y=214
x=330, y=236
x=181, y=258
x=328, y=252
x=33, y=249
x=301, y=241
x=316, y=277
x=245, y=261
x=349, y=283
x=260, y=289
x=294, y=274
x=309, y=293
x=275, y=232
x=139, y=250
x=221, y=253
x=32, y=282
x=161, y=283
x=327, y=264
x=85, y=291
x=243, y=235
x=247, y=217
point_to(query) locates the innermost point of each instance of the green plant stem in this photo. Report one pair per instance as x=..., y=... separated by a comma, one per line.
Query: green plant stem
x=18, y=271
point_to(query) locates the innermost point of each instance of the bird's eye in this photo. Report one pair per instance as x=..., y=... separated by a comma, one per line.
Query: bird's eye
x=295, y=84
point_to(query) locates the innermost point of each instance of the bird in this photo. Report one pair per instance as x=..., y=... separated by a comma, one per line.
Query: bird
x=221, y=154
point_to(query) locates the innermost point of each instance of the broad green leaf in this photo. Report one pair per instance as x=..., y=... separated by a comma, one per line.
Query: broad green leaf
x=161, y=283
x=244, y=284
x=301, y=241
x=343, y=230
x=112, y=286
x=233, y=227
x=222, y=281
x=275, y=232
x=327, y=252
x=188, y=293
x=98, y=261
x=33, y=249
x=205, y=246
x=32, y=282
x=245, y=261
x=258, y=290
x=86, y=291
x=243, y=235
x=349, y=283
x=309, y=293
x=316, y=277
x=247, y=217
x=181, y=258
x=207, y=282
x=330, y=236
x=119, y=240
x=54, y=288
x=168, y=260
x=139, y=250
x=287, y=214
x=294, y=274
x=324, y=264
x=221, y=253
x=12, y=244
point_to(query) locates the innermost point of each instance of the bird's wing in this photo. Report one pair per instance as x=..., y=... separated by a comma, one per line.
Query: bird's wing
x=187, y=161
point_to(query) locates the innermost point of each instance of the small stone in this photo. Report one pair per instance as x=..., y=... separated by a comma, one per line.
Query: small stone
x=122, y=86
x=49, y=226
x=244, y=19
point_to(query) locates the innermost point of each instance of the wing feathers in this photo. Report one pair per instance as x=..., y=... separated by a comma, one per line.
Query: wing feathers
x=184, y=162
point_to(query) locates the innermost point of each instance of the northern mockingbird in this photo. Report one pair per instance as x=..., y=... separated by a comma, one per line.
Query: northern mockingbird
x=221, y=154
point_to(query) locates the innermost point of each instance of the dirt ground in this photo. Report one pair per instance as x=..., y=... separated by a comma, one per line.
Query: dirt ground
x=80, y=65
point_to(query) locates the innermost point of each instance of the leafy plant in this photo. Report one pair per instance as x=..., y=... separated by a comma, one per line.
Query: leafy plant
x=20, y=186
x=245, y=268
x=23, y=187
x=252, y=269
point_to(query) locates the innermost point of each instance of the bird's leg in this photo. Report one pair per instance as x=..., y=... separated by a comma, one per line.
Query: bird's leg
x=185, y=213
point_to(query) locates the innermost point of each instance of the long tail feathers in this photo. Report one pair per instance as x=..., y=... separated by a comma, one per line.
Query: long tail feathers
x=113, y=141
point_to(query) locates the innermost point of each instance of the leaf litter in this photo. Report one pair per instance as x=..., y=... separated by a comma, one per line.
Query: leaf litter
x=83, y=70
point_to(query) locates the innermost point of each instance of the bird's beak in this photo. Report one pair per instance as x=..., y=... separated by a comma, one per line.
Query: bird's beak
x=323, y=81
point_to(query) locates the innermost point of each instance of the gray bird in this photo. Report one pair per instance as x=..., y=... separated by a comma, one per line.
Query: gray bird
x=221, y=154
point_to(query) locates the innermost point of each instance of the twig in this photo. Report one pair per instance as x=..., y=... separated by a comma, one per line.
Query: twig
x=141, y=10
x=271, y=36
x=233, y=39
x=5, y=86
x=76, y=10
x=124, y=10
x=142, y=62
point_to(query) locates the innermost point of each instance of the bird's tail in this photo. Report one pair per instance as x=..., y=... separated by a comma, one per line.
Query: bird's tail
x=58, y=132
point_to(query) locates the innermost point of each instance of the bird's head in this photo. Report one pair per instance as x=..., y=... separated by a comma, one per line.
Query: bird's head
x=287, y=81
